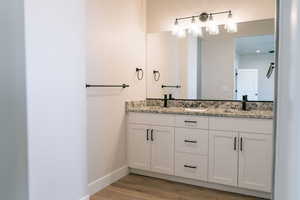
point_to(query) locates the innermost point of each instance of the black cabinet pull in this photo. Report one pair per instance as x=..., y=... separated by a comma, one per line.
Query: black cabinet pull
x=152, y=138
x=234, y=143
x=191, y=167
x=147, y=134
x=190, y=141
x=193, y=122
x=241, y=144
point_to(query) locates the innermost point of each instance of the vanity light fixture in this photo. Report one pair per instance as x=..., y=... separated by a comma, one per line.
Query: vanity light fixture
x=176, y=28
x=181, y=33
x=205, y=20
x=231, y=25
x=212, y=28
x=195, y=29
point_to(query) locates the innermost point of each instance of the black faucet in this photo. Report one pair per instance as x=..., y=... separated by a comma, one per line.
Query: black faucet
x=244, y=102
x=171, y=97
x=165, y=100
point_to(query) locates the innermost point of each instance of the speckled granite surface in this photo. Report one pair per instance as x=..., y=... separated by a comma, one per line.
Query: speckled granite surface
x=258, y=110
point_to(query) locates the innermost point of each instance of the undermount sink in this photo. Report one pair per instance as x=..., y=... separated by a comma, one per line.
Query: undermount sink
x=195, y=109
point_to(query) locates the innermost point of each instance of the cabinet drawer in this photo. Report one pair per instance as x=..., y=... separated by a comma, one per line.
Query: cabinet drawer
x=241, y=125
x=151, y=119
x=191, y=166
x=193, y=141
x=186, y=121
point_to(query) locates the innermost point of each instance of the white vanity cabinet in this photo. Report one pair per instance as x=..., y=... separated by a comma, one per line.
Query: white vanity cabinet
x=150, y=147
x=255, y=161
x=223, y=157
x=162, y=150
x=234, y=152
x=191, y=147
x=139, y=147
x=240, y=153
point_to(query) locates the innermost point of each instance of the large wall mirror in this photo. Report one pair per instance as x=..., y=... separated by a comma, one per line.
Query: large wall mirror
x=226, y=66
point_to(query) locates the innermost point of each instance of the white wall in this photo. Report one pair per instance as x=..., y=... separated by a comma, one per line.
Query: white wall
x=287, y=176
x=116, y=46
x=13, y=138
x=261, y=62
x=55, y=69
x=161, y=14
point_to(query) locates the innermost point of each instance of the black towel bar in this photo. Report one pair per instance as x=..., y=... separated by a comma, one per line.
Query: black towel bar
x=171, y=86
x=107, y=86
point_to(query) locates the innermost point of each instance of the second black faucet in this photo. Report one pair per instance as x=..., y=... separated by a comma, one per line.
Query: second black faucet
x=166, y=99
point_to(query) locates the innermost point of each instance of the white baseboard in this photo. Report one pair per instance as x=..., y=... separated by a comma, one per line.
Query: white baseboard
x=203, y=184
x=85, y=198
x=105, y=181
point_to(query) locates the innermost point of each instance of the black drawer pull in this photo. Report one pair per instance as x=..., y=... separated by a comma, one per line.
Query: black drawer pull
x=193, y=122
x=190, y=141
x=191, y=167
x=148, y=134
x=152, y=137
x=235, y=143
x=241, y=144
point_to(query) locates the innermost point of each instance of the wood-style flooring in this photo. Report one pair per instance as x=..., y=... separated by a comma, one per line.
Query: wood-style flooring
x=135, y=187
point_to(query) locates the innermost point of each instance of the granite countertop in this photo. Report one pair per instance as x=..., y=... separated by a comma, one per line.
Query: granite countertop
x=217, y=112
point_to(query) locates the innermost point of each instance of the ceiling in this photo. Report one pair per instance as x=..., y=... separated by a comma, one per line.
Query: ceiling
x=250, y=45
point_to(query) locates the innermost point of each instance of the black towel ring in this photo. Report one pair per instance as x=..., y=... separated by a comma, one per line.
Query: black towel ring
x=139, y=75
x=156, y=75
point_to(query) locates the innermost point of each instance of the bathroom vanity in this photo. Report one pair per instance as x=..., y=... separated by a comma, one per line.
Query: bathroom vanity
x=225, y=143
x=219, y=148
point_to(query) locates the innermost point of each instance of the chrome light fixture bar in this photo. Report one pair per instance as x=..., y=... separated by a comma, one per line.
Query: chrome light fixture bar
x=205, y=20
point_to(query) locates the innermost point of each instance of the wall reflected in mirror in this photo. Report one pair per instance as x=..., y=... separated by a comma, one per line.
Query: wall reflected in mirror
x=225, y=66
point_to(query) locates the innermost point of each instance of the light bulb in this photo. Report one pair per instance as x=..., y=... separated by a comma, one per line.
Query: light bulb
x=197, y=32
x=176, y=28
x=181, y=33
x=231, y=25
x=195, y=28
x=212, y=28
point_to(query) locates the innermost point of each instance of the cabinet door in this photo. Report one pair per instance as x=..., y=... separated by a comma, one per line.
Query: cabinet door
x=139, y=147
x=255, y=162
x=162, y=159
x=223, y=157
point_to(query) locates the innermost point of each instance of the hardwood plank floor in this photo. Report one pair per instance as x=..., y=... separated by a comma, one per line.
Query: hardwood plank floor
x=135, y=187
